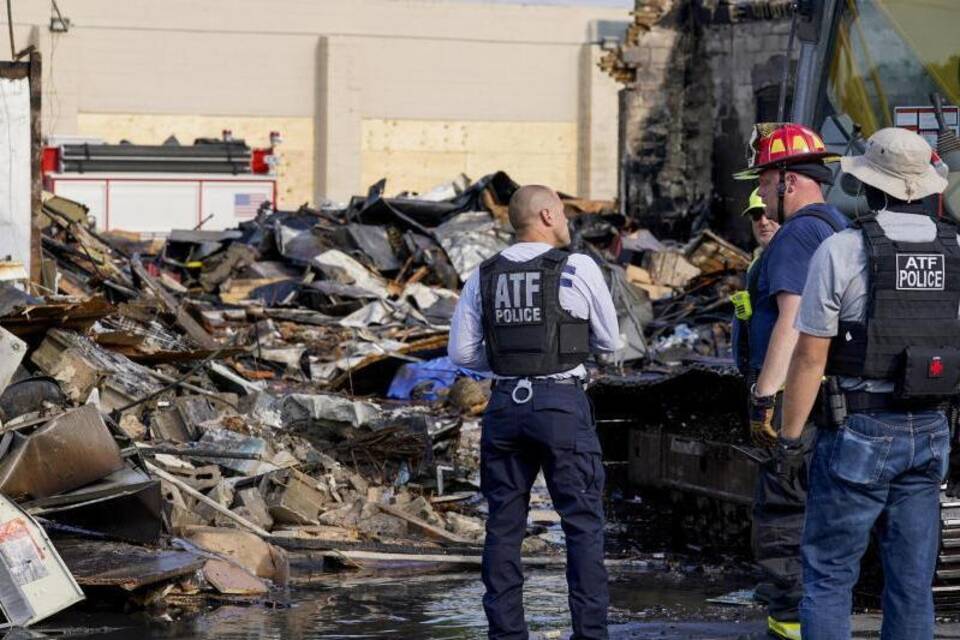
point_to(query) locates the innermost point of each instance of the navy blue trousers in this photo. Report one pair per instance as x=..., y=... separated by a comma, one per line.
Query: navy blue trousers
x=554, y=432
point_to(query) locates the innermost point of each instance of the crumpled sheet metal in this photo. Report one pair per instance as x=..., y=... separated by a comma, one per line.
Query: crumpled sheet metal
x=378, y=312
x=332, y=288
x=437, y=305
x=299, y=408
x=11, y=298
x=72, y=450
x=356, y=353
x=634, y=312
x=373, y=241
x=423, y=214
x=430, y=306
x=295, y=239
x=338, y=266
x=469, y=239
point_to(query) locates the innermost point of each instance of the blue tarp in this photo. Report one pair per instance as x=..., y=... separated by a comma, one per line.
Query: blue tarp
x=431, y=376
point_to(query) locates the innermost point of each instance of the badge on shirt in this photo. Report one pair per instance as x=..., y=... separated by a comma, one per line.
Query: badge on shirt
x=518, y=299
x=921, y=272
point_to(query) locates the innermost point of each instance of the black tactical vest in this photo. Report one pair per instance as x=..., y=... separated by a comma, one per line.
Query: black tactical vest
x=912, y=333
x=526, y=331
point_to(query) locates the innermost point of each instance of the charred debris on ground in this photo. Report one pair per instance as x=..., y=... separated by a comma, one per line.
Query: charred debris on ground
x=213, y=415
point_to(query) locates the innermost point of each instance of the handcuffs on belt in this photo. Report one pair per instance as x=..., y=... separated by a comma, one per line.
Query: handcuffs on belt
x=523, y=385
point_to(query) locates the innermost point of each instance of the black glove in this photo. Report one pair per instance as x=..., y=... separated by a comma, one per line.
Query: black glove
x=789, y=459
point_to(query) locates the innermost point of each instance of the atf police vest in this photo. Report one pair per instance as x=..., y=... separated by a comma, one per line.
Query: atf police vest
x=911, y=334
x=526, y=331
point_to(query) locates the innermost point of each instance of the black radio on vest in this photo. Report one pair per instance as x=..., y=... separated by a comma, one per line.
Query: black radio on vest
x=526, y=331
x=912, y=333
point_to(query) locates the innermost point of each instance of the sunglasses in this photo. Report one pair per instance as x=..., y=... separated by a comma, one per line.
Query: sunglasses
x=756, y=214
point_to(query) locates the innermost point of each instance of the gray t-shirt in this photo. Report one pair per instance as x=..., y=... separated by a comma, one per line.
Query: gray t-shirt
x=837, y=286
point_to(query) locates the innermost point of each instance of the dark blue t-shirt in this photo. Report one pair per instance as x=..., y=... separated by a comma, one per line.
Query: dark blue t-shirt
x=783, y=269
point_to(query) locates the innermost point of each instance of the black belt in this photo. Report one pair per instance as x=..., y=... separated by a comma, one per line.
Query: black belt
x=510, y=383
x=863, y=401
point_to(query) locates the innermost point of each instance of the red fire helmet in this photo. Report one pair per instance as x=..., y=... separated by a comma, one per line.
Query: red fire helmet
x=778, y=144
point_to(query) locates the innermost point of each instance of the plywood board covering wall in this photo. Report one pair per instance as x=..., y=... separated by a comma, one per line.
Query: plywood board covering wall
x=416, y=155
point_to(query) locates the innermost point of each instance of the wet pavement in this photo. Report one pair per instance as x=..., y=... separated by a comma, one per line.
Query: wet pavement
x=645, y=604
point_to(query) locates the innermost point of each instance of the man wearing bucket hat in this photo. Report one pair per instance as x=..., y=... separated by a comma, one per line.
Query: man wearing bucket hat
x=879, y=316
x=788, y=161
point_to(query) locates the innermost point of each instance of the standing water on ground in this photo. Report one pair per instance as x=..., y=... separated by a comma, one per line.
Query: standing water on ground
x=667, y=605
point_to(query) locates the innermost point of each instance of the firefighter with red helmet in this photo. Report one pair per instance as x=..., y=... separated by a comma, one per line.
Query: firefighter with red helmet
x=790, y=163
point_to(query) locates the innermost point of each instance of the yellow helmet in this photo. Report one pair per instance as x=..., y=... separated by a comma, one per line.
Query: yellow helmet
x=755, y=202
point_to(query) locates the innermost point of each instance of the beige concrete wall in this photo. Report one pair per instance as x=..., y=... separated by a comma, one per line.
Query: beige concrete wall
x=419, y=154
x=531, y=90
x=598, y=128
x=336, y=62
x=295, y=154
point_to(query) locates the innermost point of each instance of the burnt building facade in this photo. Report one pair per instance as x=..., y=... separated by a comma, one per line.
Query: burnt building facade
x=696, y=75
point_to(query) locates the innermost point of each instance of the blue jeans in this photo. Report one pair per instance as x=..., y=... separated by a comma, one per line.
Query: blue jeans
x=885, y=469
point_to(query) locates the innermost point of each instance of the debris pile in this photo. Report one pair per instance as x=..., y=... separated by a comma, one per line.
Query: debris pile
x=195, y=415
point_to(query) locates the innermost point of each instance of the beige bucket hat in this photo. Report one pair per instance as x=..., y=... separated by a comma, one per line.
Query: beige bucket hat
x=897, y=161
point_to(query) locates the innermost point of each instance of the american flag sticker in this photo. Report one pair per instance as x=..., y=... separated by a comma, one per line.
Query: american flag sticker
x=245, y=205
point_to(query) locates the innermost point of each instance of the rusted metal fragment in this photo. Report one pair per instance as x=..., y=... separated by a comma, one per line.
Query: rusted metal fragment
x=116, y=564
x=70, y=451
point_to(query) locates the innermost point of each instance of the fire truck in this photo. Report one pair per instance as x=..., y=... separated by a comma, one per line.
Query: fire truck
x=151, y=189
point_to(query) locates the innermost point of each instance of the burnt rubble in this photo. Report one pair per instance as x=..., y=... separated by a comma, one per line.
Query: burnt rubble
x=213, y=415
